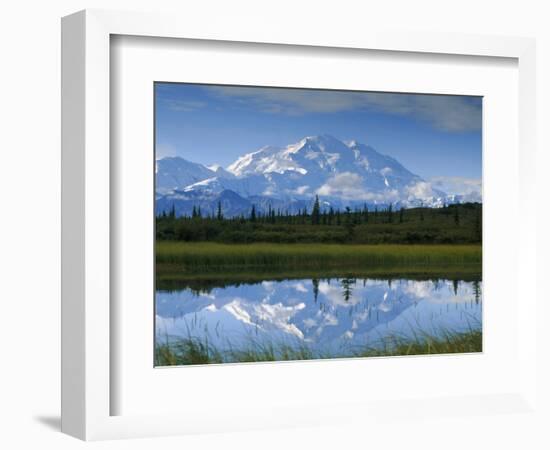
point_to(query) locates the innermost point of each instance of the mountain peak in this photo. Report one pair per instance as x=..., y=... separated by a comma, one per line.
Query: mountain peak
x=175, y=172
x=317, y=154
x=342, y=173
x=322, y=141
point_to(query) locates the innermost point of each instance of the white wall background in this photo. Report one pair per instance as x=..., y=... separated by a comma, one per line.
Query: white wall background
x=30, y=202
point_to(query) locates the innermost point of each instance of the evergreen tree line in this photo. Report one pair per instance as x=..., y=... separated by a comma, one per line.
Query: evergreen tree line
x=317, y=216
x=460, y=223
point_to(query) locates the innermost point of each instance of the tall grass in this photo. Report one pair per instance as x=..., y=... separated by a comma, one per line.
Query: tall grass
x=192, y=350
x=209, y=256
x=426, y=344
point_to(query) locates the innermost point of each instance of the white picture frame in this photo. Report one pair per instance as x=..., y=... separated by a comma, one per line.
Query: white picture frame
x=87, y=325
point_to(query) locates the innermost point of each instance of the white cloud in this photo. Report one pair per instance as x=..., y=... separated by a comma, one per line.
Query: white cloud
x=349, y=186
x=345, y=184
x=468, y=187
x=301, y=190
x=291, y=101
x=445, y=112
x=268, y=285
x=421, y=189
x=333, y=294
x=418, y=289
x=426, y=291
x=300, y=287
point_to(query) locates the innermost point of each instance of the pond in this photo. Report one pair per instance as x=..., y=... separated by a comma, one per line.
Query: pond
x=338, y=316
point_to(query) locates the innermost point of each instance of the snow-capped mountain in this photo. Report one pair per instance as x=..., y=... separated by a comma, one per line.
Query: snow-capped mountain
x=340, y=173
x=318, y=156
x=174, y=173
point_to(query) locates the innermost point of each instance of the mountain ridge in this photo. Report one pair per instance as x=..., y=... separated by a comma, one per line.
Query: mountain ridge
x=342, y=174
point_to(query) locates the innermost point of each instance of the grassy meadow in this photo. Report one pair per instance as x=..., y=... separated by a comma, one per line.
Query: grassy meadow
x=201, y=257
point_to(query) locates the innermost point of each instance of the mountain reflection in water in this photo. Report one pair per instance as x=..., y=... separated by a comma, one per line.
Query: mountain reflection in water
x=330, y=316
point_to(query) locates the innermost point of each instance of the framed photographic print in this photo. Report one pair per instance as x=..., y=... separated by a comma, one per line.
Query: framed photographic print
x=251, y=219
x=316, y=247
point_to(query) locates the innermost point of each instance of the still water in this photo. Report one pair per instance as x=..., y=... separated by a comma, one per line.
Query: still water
x=334, y=316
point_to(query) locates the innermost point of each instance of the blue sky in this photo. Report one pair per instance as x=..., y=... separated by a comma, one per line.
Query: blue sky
x=434, y=136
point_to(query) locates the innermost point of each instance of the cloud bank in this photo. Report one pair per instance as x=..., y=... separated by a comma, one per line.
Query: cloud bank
x=349, y=186
x=444, y=112
x=470, y=188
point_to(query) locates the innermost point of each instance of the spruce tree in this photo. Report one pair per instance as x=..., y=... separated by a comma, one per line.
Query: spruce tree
x=315, y=283
x=358, y=216
x=315, y=213
x=366, y=213
x=347, y=288
x=330, y=215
